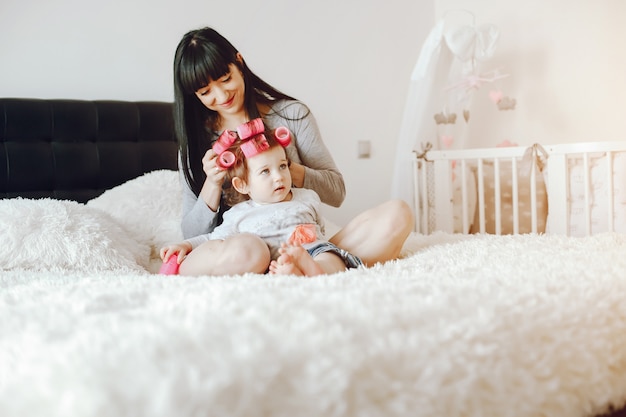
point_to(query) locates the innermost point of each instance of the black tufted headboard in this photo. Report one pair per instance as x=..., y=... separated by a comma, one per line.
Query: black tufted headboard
x=77, y=149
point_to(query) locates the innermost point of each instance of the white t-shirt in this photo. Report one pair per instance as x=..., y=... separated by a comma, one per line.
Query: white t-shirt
x=273, y=223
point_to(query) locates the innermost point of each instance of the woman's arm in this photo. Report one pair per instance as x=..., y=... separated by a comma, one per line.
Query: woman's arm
x=313, y=166
x=197, y=217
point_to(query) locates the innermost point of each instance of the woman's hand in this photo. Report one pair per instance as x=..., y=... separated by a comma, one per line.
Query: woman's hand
x=297, y=174
x=214, y=174
x=211, y=192
x=182, y=248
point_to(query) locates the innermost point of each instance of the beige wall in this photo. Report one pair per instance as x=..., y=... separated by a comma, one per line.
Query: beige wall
x=350, y=60
x=567, y=66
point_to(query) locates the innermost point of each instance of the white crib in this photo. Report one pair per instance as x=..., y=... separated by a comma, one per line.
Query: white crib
x=573, y=189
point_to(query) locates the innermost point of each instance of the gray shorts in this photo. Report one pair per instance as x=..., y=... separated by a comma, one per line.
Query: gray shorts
x=349, y=259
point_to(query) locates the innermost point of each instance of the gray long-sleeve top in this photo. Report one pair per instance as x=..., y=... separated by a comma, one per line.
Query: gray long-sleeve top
x=306, y=148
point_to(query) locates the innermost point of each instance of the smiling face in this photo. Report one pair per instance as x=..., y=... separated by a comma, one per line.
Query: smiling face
x=269, y=180
x=224, y=95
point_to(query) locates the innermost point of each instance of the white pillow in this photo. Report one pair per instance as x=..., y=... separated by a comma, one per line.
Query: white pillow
x=149, y=207
x=58, y=235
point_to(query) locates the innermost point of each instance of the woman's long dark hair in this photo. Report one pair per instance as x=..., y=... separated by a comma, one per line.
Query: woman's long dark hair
x=203, y=55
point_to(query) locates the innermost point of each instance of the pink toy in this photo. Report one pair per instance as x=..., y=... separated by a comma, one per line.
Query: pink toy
x=283, y=136
x=226, y=139
x=170, y=267
x=303, y=233
x=226, y=160
x=255, y=146
x=253, y=127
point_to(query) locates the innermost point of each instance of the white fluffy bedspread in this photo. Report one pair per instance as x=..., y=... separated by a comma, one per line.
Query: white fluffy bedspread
x=462, y=326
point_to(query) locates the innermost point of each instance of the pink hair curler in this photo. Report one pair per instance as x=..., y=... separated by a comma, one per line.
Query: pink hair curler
x=255, y=146
x=226, y=160
x=283, y=136
x=170, y=267
x=226, y=139
x=252, y=128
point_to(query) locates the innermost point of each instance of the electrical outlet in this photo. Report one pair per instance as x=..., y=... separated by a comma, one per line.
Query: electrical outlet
x=364, y=149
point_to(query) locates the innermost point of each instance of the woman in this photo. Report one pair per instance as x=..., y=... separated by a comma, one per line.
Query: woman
x=214, y=90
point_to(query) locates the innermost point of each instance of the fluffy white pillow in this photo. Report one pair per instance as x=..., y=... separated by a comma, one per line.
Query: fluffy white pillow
x=58, y=235
x=149, y=207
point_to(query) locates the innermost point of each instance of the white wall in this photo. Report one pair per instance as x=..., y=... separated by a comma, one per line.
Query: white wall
x=567, y=66
x=349, y=60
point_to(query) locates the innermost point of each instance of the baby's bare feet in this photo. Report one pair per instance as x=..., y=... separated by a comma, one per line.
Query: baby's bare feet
x=284, y=266
x=301, y=259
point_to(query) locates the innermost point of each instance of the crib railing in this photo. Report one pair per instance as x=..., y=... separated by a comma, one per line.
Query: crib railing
x=560, y=191
x=441, y=199
x=541, y=170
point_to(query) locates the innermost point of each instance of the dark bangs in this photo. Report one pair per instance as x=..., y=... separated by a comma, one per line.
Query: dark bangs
x=201, y=64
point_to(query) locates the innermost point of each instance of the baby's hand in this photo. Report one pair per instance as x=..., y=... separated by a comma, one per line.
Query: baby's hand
x=182, y=248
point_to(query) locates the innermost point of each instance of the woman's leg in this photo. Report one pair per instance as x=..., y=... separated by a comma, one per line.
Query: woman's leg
x=235, y=255
x=378, y=234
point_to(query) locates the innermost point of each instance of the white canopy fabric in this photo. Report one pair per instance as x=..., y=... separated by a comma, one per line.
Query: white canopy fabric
x=438, y=104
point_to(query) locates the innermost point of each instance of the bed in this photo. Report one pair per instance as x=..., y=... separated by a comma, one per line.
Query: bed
x=525, y=324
